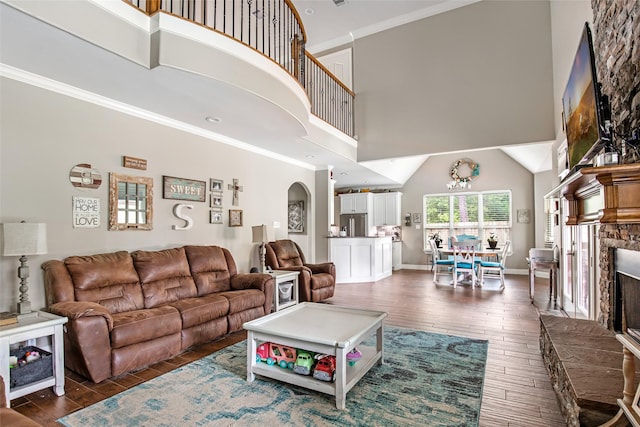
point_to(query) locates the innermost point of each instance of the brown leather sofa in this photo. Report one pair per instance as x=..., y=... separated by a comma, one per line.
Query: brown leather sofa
x=10, y=417
x=129, y=310
x=316, y=282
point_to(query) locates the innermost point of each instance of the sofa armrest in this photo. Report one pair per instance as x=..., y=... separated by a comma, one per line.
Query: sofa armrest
x=250, y=281
x=87, y=339
x=263, y=282
x=77, y=309
x=325, y=267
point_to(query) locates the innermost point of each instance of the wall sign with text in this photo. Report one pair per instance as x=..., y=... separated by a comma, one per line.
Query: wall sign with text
x=184, y=189
x=86, y=212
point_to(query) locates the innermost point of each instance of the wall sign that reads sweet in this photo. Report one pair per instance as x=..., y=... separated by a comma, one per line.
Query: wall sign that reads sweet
x=184, y=189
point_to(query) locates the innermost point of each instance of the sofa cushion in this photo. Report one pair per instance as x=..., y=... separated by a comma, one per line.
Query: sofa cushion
x=108, y=279
x=244, y=299
x=211, y=268
x=144, y=325
x=195, y=311
x=164, y=275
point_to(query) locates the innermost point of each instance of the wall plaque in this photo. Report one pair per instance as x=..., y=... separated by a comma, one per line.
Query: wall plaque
x=134, y=163
x=86, y=212
x=184, y=189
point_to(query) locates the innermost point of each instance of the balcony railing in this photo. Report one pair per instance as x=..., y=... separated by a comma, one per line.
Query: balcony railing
x=273, y=28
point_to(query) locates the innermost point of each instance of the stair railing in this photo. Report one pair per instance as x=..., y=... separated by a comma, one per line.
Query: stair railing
x=273, y=28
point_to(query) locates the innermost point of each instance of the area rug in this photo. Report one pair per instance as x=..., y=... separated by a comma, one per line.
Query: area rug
x=426, y=380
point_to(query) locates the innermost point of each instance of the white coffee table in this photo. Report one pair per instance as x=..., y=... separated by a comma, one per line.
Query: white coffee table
x=321, y=328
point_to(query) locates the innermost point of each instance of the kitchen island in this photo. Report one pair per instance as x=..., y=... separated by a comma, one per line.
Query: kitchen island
x=361, y=259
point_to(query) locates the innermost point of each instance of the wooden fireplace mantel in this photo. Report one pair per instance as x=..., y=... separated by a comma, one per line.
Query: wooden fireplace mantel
x=604, y=194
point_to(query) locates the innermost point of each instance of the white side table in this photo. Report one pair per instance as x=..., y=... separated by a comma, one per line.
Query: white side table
x=284, y=277
x=40, y=324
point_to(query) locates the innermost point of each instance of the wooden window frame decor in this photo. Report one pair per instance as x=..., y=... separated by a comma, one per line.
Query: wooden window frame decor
x=296, y=216
x=183, y=189
x=116, y=181
x=235, y=217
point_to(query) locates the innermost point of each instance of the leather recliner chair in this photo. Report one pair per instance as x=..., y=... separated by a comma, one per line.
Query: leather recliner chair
x=316, y=282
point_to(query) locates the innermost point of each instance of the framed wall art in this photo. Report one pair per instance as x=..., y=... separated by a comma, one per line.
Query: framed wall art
x=183, y=189
x=524, y=216
x=417, y=218
x=216, y=184
x=235, y=217
x=215, y=216
x=296, y=216
x=216, y=200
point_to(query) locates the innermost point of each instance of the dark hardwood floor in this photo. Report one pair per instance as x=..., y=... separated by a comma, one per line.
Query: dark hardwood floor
x=517, y=390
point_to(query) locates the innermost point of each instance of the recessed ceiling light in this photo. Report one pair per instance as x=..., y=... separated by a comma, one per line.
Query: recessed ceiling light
x=344, y=173
x=213, y=119
x=310, y=156
x=309, y=11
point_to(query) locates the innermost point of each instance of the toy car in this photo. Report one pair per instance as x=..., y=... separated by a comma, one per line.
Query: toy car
x=272, y=353
x=304, y=363
x=262, y=353
x=283, y=355
x=325, y=369
x=353, y=356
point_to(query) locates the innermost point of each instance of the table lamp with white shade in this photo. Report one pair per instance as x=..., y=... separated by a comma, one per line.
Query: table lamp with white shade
x=22, y=239
x=260, y=236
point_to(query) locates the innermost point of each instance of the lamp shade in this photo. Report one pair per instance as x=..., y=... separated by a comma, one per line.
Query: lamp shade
x=23, y=238
x=259, y=233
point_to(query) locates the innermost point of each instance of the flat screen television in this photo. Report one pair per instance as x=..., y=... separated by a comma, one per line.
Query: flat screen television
x=583, y=110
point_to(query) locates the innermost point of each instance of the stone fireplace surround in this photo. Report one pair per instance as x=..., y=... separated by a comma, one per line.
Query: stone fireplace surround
x=583, y=358
x=613, y=236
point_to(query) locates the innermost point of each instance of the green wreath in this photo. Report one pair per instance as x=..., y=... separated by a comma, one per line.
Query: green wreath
x=475, y=170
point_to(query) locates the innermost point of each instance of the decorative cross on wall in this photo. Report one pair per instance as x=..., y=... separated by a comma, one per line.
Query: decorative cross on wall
x=236, y=188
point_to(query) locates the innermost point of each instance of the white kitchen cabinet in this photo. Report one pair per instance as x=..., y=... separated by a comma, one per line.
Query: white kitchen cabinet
x=386, y=209
x=361, y=259
x=355, y=203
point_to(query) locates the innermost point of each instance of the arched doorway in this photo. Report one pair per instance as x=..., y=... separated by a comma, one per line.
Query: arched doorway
x=300, y=227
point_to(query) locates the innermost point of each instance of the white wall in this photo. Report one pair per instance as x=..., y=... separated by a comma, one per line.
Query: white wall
x=44, y=134
x=497, y=172
x=474, y=77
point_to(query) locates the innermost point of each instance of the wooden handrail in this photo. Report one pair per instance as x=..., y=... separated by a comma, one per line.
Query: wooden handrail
x=295, y=13
x=326, y=70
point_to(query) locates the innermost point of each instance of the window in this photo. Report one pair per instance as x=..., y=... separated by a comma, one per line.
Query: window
x=476, y=214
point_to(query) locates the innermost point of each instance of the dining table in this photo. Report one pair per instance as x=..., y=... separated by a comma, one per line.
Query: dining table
x=492, y=253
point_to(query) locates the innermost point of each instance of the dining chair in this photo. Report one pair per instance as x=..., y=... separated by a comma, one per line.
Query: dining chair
x=464, y=256
x=438, y=263
x=493, y=266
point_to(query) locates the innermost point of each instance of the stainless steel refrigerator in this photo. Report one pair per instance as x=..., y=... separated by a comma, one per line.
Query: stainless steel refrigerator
x=354, y=224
